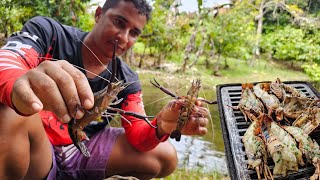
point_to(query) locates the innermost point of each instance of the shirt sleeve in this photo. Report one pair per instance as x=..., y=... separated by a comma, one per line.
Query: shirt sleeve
x=139, y=133
x=12, y=66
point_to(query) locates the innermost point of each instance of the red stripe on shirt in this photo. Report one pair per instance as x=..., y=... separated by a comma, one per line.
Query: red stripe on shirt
x=12, y=66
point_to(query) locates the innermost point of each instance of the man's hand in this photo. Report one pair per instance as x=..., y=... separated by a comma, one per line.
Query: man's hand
x=55, y=86
x=168, y=117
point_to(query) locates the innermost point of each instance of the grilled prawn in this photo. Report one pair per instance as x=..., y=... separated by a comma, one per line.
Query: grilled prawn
x=256, y=152
x=282, y=90
x=308, y=147
x=271, y=102
x=309, y=120
x=289, y=142
x=279, y=152
x=250, y=106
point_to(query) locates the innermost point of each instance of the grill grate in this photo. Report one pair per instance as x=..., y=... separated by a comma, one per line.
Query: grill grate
x=234, y=127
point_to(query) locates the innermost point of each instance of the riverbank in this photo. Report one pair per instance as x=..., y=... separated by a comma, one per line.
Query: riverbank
x=238, y=72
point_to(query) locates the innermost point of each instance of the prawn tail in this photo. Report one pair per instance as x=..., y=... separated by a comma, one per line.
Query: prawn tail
x=76, y=137
x=176, y=134
x=83, y=149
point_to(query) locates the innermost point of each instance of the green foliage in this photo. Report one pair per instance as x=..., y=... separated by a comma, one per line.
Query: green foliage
x=233, y=32
x=300, y=3
x=264, y=70
x=313, y=71
x=14, y=13
x=284, y=43
x=272, y=23
x=311, y=6
x=163, y=39
x=65, y=11
x=11, y=17
x=86, y=22
x=138, y=47
x=291, y=43
x=194, y=174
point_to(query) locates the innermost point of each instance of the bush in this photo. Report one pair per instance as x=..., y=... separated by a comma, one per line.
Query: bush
x=313, y=71
x=290, y=43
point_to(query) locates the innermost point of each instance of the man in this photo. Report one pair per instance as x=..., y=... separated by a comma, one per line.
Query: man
x=39, y=96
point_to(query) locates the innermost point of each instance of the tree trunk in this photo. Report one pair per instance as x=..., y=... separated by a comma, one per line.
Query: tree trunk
x=191, y=43
x=259, y=18
x=131, y=56
x=188, y=49
x=157, y=59
x=158, y=63
x=216, y=67
x=140, y=63
x=6, y=32
x=142, y=57
x=211, y=54
x=201, y=47
x=173, y=13
x=226, y=65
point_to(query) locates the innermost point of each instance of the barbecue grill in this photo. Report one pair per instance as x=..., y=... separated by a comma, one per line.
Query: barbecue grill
x=234, y=127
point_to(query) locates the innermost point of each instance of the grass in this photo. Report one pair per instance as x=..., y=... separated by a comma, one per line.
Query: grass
x=194, y=175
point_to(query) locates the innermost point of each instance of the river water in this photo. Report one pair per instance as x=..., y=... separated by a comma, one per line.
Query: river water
x=203, y=153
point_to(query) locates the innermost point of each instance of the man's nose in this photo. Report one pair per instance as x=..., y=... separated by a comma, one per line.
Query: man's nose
x=123, y=36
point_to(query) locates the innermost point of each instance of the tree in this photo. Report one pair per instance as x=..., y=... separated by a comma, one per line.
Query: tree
x=12, y=16
x=14, y=13
x=65, y=11
x=276, y=7
x=199, y=5
x=232, y=35
x=191, y=44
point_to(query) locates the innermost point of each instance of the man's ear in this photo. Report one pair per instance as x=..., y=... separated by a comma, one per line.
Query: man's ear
x=98, y=14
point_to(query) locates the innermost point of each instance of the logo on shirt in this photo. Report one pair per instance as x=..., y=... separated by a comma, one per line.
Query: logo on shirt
x=16, y=46
x=27, y=35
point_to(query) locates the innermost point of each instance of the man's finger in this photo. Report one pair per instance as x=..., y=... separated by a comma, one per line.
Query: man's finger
x=82, y=85
x=175, y=105
x=204, y=122
x=202, y=131
x=199, y=102
x=67, y=89
x=199, y=121
x=48, y=92
x=204, y=112
x=24, y=99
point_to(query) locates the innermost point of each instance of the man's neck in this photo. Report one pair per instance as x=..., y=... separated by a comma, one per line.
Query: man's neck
x=93, y=61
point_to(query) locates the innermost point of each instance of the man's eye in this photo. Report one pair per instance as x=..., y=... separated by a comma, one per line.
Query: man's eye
x=118, y=23
x=135, y=33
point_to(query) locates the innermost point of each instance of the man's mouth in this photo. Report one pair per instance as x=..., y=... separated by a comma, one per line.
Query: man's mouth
x=118, y=48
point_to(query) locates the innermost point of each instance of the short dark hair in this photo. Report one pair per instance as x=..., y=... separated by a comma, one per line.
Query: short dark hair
x=142, y=6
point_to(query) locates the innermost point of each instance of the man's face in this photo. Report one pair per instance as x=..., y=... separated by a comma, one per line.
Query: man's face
x=122, y=23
